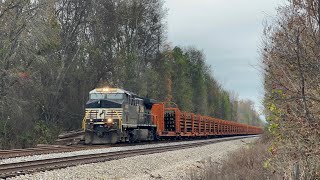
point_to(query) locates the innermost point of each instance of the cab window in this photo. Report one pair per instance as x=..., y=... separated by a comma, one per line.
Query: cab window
x=115, y=96
x=97, y=96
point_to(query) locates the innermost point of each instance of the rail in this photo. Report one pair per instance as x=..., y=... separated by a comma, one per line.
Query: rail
x=39, y=150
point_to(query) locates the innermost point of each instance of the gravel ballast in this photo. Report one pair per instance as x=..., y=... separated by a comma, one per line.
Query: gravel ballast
x=91, y=151
x=167, y=165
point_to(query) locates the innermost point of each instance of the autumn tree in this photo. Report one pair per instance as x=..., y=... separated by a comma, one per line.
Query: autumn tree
x=291, y=58
x=53, y=52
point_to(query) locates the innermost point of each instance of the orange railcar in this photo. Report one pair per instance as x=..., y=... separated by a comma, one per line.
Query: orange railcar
x=173, y=122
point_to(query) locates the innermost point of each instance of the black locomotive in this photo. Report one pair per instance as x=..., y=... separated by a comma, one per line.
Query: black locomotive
x=115, y=115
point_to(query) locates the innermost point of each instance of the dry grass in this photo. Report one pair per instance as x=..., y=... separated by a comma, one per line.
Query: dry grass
x=247, y=163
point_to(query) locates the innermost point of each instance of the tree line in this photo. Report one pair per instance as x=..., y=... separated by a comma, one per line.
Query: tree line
x=291, y=55
x=53, y=52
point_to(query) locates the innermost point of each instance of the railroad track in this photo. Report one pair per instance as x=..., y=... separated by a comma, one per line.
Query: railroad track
x=39, y=150
x=14, y=169
x=12, y=153
x=4, y=154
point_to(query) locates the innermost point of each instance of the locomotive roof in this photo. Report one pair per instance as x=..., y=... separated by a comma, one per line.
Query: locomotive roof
x=110, y=90
x=147, y=101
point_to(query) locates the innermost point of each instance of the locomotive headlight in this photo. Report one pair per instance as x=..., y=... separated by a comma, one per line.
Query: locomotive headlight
x=109, y=120
x=91, y=120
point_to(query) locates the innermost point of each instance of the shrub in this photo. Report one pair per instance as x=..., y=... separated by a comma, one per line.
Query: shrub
x=250, y=162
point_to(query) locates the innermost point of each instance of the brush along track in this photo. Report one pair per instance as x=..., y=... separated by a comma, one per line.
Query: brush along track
x=14, y=169
x=40, y=150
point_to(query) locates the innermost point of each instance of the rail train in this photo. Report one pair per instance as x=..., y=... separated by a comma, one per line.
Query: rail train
x=115, y=115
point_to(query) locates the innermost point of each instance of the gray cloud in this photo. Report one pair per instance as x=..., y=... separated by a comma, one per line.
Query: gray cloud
x=229, y=32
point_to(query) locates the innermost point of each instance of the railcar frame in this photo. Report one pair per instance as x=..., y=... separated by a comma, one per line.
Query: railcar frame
x=171, y=122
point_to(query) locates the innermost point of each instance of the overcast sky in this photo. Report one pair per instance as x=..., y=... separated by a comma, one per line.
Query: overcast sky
x=229, y=32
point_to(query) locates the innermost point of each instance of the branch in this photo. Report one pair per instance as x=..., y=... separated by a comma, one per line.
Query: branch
x=301, y=74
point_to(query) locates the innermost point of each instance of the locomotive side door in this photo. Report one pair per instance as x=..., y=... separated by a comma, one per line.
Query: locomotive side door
x=132, y=112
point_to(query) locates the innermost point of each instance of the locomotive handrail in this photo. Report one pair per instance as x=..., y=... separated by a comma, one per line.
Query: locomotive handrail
x=120, y=120
x=84, y=120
